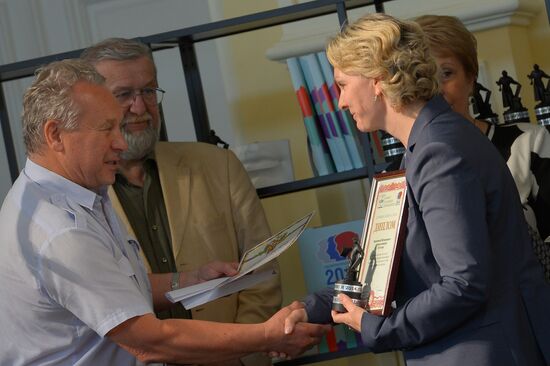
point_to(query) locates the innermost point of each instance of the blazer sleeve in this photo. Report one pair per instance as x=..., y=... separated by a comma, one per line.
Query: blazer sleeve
x=450, y=210
x=258, y=303
x=318, y=306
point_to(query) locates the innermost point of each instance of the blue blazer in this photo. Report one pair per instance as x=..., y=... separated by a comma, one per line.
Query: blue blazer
x=469, y=289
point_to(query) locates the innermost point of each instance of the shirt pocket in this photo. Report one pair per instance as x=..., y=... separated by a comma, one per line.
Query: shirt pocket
x=126, y=268
x=136, y=257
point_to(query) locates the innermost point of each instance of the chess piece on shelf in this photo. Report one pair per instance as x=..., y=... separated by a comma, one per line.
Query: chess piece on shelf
x=539, y=89
x=516, y=112
x=542, y=94
x=481, y=105
x=216, y=140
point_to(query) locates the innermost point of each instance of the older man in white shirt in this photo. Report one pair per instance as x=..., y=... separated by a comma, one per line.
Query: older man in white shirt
x=74, y=290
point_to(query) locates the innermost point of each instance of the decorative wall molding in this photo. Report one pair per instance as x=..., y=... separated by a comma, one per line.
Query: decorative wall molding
x=311, y=35
x=481, y=15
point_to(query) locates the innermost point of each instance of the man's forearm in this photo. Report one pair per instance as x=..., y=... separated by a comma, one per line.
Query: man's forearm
x=195, y=341
x=187, y=341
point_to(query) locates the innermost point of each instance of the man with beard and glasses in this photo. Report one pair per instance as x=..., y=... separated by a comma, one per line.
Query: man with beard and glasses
x=188, y=203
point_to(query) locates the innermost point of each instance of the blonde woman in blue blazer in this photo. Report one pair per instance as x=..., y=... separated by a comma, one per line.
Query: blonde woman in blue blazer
x=469, y=289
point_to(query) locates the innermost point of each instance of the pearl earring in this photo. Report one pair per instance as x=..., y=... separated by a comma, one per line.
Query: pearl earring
x=375, y=98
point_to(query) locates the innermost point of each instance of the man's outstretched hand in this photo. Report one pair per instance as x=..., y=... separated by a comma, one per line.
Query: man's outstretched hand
x=289, y=335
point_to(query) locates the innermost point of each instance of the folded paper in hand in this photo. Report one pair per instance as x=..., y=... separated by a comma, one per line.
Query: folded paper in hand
x=253, y=258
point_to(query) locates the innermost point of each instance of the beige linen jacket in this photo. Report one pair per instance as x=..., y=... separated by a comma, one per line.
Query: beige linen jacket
x=214, y=213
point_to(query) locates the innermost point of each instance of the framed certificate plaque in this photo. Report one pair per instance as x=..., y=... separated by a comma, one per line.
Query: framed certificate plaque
x=382, y=240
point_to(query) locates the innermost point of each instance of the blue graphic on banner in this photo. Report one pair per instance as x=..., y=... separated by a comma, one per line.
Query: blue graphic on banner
x=320, y=250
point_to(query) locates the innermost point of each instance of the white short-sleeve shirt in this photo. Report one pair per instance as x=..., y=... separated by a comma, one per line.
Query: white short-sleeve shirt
x=69, y=274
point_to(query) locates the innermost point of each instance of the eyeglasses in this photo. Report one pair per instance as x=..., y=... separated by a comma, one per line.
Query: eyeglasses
x=150, y=96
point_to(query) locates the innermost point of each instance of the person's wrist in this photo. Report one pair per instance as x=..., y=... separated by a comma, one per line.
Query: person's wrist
x=267, y=340
x=175, y=281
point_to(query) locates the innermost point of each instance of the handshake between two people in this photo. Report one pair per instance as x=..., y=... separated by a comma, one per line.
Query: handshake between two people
x=296, y=328
x=288, y=333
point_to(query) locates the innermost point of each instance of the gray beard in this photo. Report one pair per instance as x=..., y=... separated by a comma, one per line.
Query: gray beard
x=140, y=144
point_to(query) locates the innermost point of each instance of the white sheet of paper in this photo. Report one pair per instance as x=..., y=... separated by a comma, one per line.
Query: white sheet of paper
x=186, y=292
x=253, y=258
x=272, y=247
x=227, y=288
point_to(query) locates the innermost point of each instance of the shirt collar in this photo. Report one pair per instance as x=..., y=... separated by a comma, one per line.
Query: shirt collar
x=62, y=186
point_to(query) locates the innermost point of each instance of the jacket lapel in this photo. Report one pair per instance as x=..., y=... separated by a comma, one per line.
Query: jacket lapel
x=175, y=180
x=432, y=109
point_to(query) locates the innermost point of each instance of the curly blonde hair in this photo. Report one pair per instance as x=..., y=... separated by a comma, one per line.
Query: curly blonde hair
x=391, y=50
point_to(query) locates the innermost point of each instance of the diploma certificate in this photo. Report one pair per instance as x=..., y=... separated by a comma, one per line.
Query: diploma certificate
x=382, y=240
